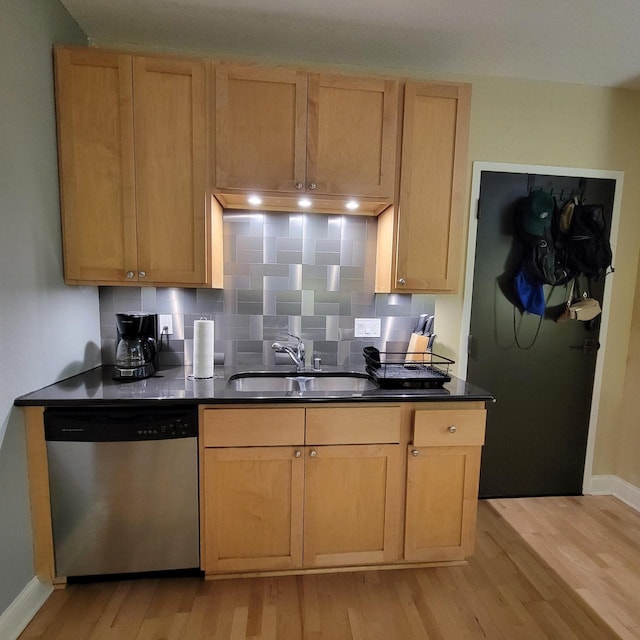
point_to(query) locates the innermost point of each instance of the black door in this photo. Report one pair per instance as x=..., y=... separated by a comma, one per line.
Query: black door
x=537, y=430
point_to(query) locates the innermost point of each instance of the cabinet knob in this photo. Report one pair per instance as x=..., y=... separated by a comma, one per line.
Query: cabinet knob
x=131, y=275
x=313, y=453
x=298, y=453
x=415, y=453
x=142, y=274
x=313, y=186
x=402, y=282
x=299, y=185
x=452, y=429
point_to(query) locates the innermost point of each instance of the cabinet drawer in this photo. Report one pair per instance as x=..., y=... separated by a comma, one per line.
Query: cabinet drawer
x=253, y=427
x=440, y=427
x=358, y=425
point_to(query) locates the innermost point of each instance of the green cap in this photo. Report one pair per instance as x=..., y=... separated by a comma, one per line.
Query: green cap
x=538, y=213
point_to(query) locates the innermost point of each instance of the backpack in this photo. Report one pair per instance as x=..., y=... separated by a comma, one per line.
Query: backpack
x=589, y=251
x=545, y=259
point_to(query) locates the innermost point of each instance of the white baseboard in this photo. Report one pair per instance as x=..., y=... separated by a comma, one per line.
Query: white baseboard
x=22, y=610
x=615, y=486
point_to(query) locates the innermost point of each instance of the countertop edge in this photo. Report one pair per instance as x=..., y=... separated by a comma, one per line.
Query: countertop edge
x=174, y=386
x=250, y=400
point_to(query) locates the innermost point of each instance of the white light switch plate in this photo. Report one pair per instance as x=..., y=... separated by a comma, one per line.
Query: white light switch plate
x=367, y=328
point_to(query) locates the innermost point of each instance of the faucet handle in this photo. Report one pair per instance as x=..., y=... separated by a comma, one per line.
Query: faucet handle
x=298, y=338
x=299, y=345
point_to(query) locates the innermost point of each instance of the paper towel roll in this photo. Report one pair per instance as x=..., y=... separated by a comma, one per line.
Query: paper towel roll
x=203, y=348
x=204, y=387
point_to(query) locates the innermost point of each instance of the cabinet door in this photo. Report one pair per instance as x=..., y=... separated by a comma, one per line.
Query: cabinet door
x=261, y=122
x=351, y=142
x=430, y=213
x=252, y=509
x=352, y=511
x=442, y=499
x=171, y=170
x=96, y=155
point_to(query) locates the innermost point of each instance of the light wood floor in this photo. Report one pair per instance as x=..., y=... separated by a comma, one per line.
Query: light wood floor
x=505, y=592
x=593, y=545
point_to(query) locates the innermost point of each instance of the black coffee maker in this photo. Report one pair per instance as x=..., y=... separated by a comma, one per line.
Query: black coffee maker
x=136, y=346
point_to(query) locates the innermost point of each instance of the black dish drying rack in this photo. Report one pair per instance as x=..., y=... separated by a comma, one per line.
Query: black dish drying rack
x=407, y=369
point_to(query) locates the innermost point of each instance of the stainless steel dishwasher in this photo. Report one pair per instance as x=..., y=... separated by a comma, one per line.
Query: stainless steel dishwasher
x=124, y=489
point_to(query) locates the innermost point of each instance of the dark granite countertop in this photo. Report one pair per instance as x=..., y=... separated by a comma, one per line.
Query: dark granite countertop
x=177, y=386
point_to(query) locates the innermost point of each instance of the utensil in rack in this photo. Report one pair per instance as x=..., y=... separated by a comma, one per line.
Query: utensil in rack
x=428, y=329
x=421, y=324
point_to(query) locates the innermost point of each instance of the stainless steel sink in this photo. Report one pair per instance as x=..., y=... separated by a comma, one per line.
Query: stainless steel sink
x=259, y=382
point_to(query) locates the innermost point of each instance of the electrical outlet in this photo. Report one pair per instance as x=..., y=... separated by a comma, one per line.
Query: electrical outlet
x=367, y=328
x=165, y=324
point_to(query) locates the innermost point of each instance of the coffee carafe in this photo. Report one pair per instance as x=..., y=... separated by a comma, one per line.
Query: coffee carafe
x=136, y=346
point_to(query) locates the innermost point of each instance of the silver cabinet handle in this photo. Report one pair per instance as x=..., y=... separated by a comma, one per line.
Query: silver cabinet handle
x=415, y=453
x=131, y=275
x=298, y=453
x=313, y=186
x=142, y=274
x=452, y=429
x=299, y=185
x=402, y=282
x=313, y=453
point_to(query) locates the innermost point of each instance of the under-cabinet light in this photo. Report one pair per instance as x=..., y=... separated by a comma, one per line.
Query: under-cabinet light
x=304, y=202
x=351, y=205
x=254, y=200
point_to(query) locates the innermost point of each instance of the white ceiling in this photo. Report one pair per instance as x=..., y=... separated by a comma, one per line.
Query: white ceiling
x=594, y=42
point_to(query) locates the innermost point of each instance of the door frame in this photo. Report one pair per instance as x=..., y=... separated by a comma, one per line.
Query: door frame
x=618, y=176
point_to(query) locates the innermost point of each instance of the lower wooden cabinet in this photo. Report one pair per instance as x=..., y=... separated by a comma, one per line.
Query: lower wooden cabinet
x=296, y=488
x=287, y=507
x=350, y=505
x=443, y=470
x=442, y=498
x=253, y=508
x=293, y=488
x=262, y=503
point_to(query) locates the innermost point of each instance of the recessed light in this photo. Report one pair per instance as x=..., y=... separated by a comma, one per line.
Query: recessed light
x=304, y=202
x=352, y=204
x=254, y=200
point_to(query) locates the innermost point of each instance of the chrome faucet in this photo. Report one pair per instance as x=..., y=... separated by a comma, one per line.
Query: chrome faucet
x=296, y=353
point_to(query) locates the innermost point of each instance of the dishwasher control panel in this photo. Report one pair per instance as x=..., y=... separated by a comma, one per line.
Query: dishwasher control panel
x=120, y=424
x=177, y=428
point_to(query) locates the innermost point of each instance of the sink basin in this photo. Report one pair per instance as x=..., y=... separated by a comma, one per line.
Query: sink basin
x=258, y=382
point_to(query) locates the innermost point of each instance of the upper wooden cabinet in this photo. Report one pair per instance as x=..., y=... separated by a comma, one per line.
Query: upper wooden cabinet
x=420, y=238
x=94, y=95
x=351, y=135
x=261, y=122
x=132, y=139
x=170, y=134
x=282, y=132
x=138, y=137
